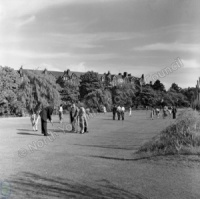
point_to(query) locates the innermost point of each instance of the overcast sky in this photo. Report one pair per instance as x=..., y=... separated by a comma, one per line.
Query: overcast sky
x=137, y=36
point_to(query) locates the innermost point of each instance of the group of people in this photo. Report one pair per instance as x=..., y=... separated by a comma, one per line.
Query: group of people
x=156, y=112
x=78, y=119
x=119, y=111
x=77, y=115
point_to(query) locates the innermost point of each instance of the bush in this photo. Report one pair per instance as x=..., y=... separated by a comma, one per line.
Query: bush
x=181, y=136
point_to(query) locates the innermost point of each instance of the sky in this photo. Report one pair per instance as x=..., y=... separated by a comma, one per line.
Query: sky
x=134, y=36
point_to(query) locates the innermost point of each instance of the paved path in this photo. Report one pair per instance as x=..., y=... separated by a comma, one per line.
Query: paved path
x=100, y=164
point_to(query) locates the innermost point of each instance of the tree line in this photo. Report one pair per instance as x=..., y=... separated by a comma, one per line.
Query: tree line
x=21, y=94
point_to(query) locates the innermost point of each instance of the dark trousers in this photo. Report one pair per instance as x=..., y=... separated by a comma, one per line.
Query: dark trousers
x=114, y=114
x=122, y=114
x=174, y=115
x=44, y=127
x=118, y=114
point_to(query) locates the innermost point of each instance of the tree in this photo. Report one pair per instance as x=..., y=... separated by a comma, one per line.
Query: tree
x=69, y=92
x=190, y=93
x=175, y=88
x=148, y=97
x=9, y=84
x=99, y=98
x=123, y=95
x=38, y=87
x=158, y=86
x=89, y=82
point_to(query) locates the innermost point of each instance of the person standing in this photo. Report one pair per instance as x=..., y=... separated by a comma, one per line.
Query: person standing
x=45, y=115
x=114, y=111
x=122, y=112
x=82, y=120
x=152, y=113
x=60, y=113
x=170, y=111
x=130, y=112
x=73, y=117
x=165, y=110
x=158, y=112
x=37, y=115
x=104, y=109
x=32, y=118
x=119, y=109
x=174, y=111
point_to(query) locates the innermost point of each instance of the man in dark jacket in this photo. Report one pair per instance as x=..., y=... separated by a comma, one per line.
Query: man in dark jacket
x=45, y=115
x=174, y=111
x=114, y=111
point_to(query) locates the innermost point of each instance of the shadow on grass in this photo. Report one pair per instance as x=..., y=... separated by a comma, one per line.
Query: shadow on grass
x=122, y=159
x=62, y=131
x=110, y=147
x=25, y=130
x=30, y=185
x=24, y=133
x=147, y=157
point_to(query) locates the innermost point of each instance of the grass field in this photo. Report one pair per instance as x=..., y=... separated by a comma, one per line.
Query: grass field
x=100, y=164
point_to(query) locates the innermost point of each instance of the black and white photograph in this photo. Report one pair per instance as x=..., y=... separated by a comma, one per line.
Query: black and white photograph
x=99, y=99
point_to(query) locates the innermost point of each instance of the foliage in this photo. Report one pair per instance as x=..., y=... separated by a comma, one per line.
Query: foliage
x=123, y=95
x=23, y=93
x=158, y=86
x=69, y=93
x=89, y=82
x=175, y=88
x=38, y=87
x=190, y=94
x=98, y=98
x=146, y=97
x=178, y=138
x=9, y=84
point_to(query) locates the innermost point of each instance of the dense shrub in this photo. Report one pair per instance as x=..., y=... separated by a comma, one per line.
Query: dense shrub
x=181, y=137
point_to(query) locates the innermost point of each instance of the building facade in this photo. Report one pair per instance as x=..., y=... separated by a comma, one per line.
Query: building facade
x=108, y=79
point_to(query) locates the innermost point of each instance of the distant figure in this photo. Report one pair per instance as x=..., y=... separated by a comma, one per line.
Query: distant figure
x=170, y=111
x=37, y=115
x=82, y=120
x=104, y=109
x=130, y=112
x=119, y=109
x=122, y=112
x=165, y=110
x=32, y=118
x=74, y=117
x=45, y=115
x=61, y=113
x=114, y=110
x=152, y=113
x=157, y=112
x=174, y=111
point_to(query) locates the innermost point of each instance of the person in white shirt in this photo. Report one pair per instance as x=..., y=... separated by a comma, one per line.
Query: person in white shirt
x=130, y=112
x=122, y=112
x=119, y=109
x=61, y=113
x=104, y=109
